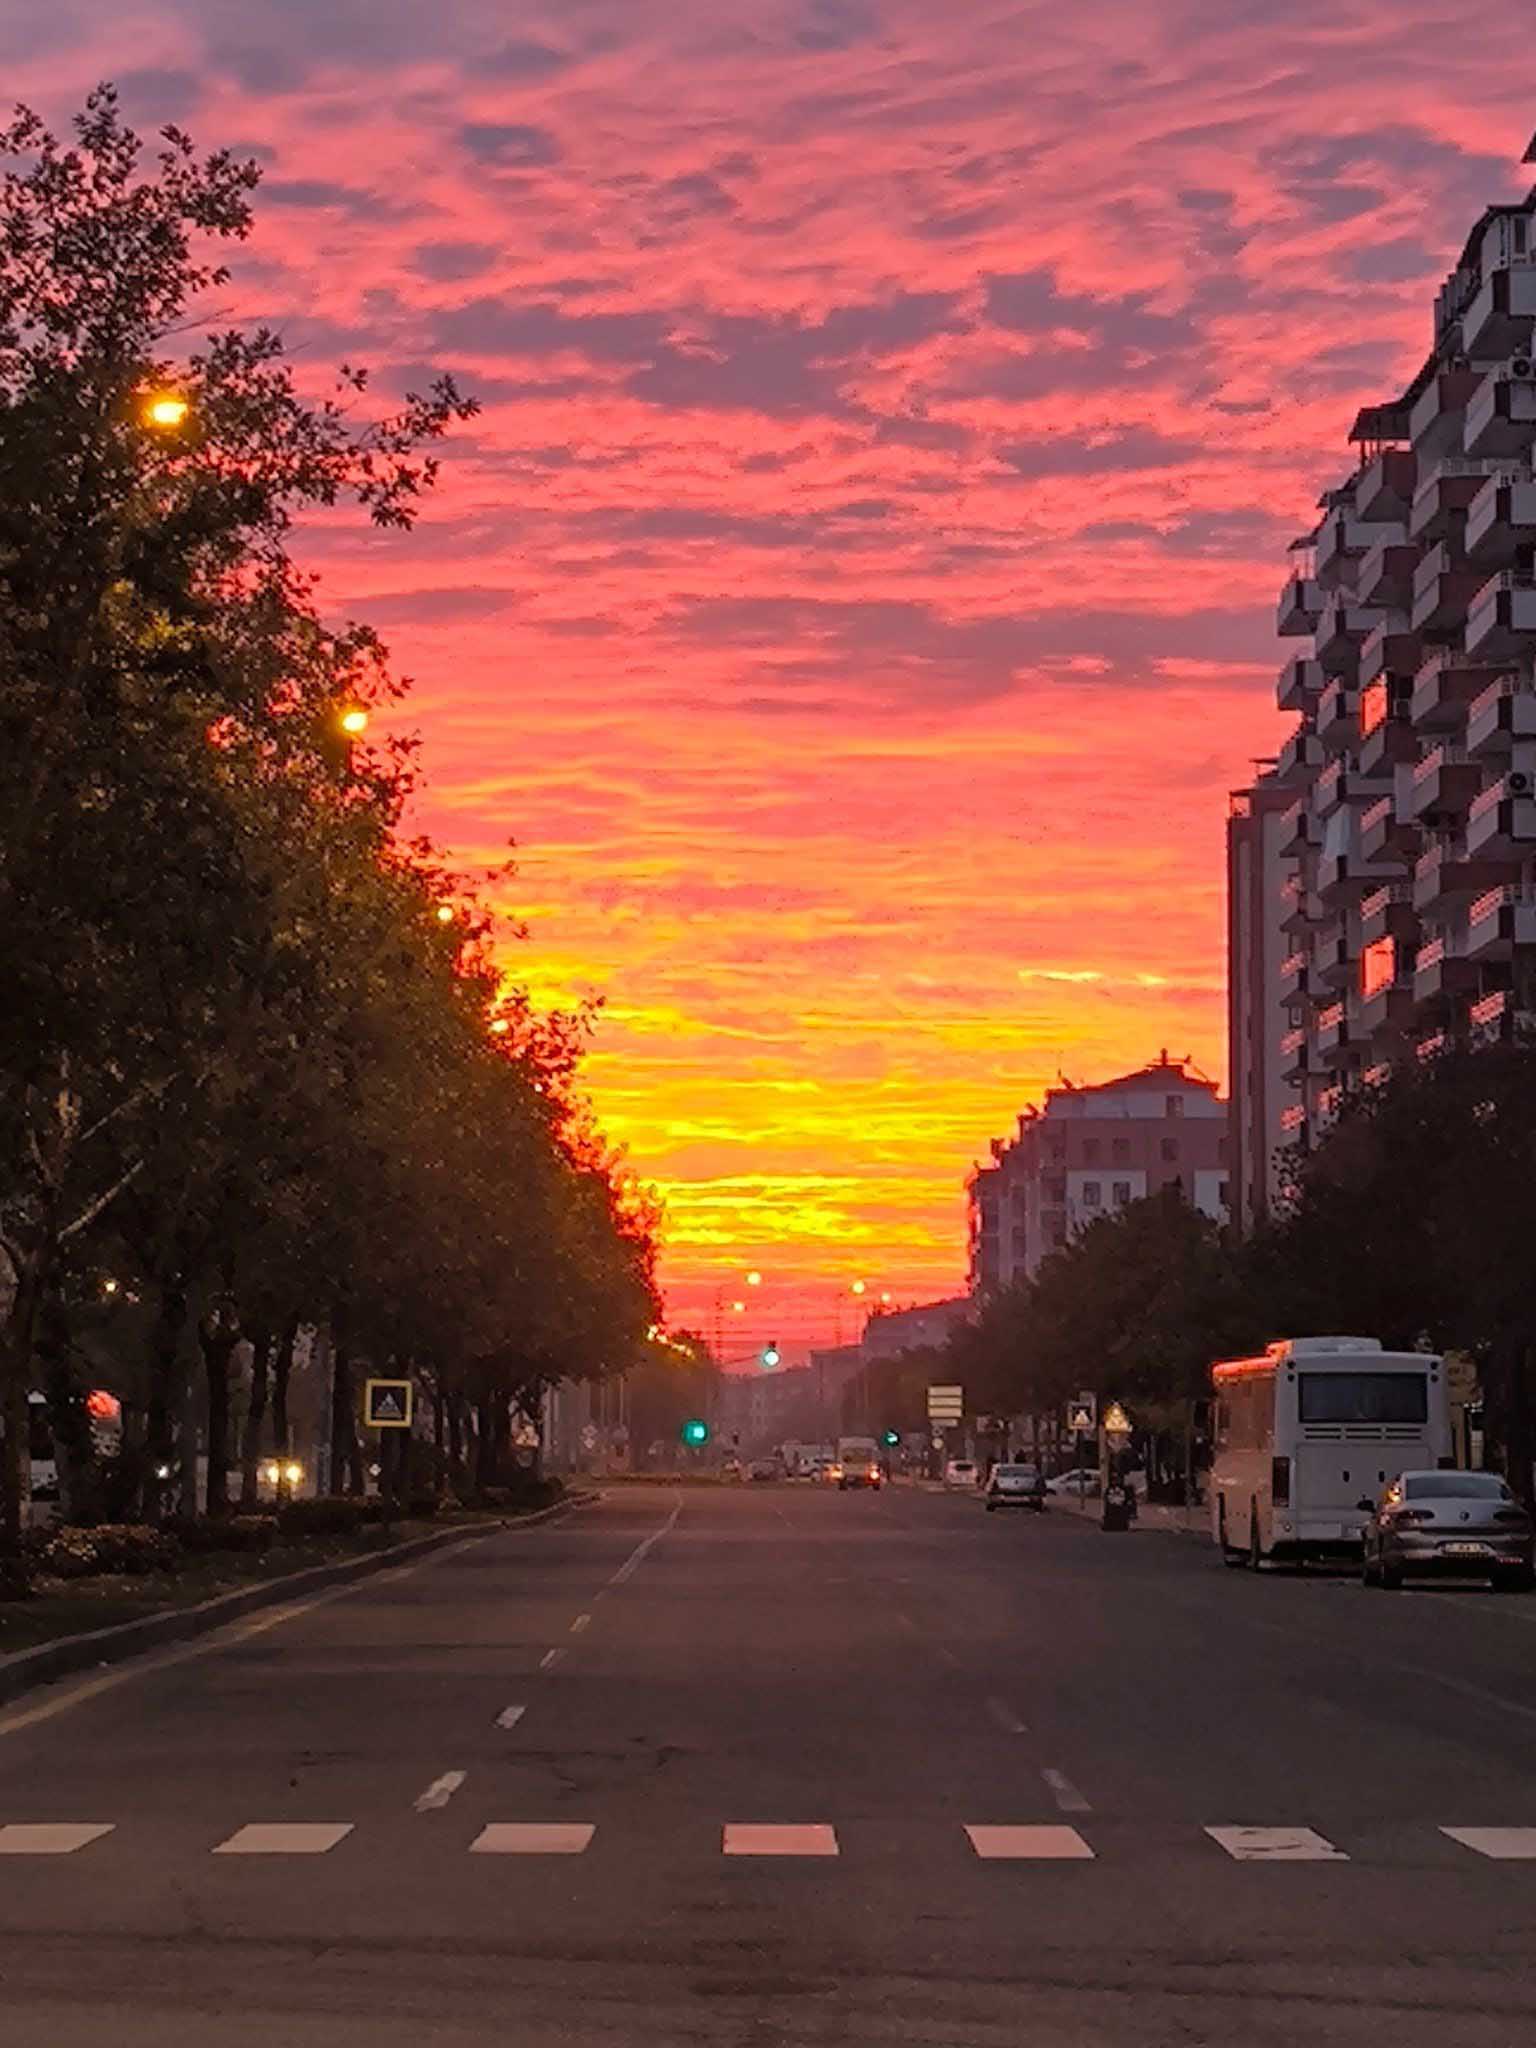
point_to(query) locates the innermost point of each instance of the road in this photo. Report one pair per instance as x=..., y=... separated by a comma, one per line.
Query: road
x=624, y=1697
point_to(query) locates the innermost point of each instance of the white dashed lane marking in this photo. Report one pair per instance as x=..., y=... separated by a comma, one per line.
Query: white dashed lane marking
x=581, y=1622
x=439, y=1792
x=1005, y=1717
x=532, y=1838
x=1066, y=1795
x=1504, y=1845
x=510, y=1716
x=285, y=1838
x=50, y=1838
x=748, y=1839
x=550, y=1659
x=1276, y=1845
x=1037, y=1844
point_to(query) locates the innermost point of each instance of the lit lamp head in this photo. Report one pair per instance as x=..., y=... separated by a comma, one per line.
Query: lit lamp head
x=165, y=410
x=353, y=721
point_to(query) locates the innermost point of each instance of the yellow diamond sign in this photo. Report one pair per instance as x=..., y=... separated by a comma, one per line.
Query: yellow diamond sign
x=1116, y=1421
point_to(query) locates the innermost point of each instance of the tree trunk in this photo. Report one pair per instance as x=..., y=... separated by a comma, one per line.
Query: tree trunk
x=165, y=1383
x=74, y=1445
x=255, y=1416
x=282, y=1433
x=346, y=1476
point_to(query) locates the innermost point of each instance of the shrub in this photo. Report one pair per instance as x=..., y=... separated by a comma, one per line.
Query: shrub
x=130, y=1547
x=244, y=1533
x=334, y=1514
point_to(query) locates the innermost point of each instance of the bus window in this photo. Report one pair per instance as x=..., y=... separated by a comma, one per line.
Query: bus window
x=1364, y=1397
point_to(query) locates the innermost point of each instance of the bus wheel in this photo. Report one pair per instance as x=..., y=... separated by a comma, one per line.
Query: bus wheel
x=1232, y=1559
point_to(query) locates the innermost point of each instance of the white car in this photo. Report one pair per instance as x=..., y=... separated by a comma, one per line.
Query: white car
x=1084, y=1482
x=960, y=1472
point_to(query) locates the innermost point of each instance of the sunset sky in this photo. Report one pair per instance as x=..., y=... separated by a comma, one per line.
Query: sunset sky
x=856, y=597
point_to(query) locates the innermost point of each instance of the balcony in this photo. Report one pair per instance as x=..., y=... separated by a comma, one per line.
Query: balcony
x=1388, y=913
x=1331, y=1034
x=1446, y=780
x=1293, y=1121
x=1344, y=539
x=1386, y=575
x=1502, y=520
x=1295, y=834
x=1444, y=492
x=1385, y=1009
x=1341, y=784
x=1293, y=978
x=1440, y=965
x=1501, y=416
x=1342, y=629
x=1501, y=824
x=1503, y=714
x=1443, y=587
x=1332, y=963
x=1497, y=321
x=1345, y=877
x=1301, y=684
x=1301, y=755
x=1385, y=833
x=1448, y=872
x=1391, y=648
x=1494, y=1017
x=1293, y=1054
x=1338, y=715
x=1443, y=687
x=1502, y=617
x=1301, y=605
x=1433, y=1046
x=1501, y=919
x=1297, y=912
x=1435, y=424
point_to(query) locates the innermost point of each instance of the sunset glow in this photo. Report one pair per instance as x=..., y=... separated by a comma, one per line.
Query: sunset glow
x=856, y=596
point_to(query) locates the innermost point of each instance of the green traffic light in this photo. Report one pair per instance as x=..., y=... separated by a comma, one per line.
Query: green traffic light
x=891, y=1436
x=695, y=1432
x=770, y=1357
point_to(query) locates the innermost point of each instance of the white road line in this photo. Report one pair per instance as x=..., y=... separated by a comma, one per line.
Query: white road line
x=1039, y=1844
x=440, y=1791
x=510, y=1716
x=1066, y=1795
x=50, y=1838
x=550, y=1659
x=532, y=1838
x=285, y=1838
x=746, y=1839
x=1503, y=1845
x=1005, y=1717
x=1276, y=1845
x=228, y=1637
x=581, y=1622
x=641, y=1551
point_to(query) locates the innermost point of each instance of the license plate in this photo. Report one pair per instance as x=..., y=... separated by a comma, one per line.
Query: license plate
x=1464, y=1550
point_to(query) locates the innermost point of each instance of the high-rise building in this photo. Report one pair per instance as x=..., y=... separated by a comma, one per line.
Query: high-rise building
x=1257, y=947
x=1407, y=792
x=1085, y=1153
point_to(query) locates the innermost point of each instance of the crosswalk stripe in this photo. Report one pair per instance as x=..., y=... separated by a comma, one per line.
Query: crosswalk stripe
x=749, y=1839
x=1277, y=1845
x=1055, y=1844
x=532, y=1838
x=285, y=1838
x=1504, y=1845
x=50, y=1838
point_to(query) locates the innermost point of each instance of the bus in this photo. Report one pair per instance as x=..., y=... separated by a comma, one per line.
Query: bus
x=1305, y=1438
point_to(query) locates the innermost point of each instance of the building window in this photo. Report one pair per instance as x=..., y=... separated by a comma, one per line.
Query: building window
x=1090, y=1151
x=1169, y=1148
x=1221, y=1193
x=1120, y=1150
x=1123, y=1193
x=1093, y=1194
x=1173, y=1105
x=1056, y=1191
x=1518, y=226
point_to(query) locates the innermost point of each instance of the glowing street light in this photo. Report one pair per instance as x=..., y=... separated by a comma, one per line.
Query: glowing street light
x=165, y=409
x=885, y=1296
x=445, y=913
x=754, y=1279
x=738, y=1308
x=353, y=720
x=860, y=1287
x=500, y=1027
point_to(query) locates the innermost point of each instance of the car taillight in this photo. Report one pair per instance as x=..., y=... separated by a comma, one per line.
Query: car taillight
x=1280, y=1481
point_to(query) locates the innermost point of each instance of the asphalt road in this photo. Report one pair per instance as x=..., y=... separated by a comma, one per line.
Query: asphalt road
x=878, y=1674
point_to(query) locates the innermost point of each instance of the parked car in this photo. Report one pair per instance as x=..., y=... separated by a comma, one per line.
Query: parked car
x=765, y=1468
x=1453, y=1524
x=1082, y=1481
x=960, y=1472
x=731, y=1469
x=1016, y=1486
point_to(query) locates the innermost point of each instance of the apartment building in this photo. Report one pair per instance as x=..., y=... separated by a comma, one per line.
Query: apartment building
x=1258, y=949
x=1405, y=799
x=1086, y=1152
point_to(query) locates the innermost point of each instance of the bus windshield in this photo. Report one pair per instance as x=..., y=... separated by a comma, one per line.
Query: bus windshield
x=1364, y=1397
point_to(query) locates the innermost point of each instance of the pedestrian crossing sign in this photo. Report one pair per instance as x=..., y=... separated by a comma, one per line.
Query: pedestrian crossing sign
x=388, y=1404
x=1082, y=1415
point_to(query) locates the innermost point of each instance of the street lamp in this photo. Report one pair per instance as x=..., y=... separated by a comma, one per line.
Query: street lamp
x=754, y=1279
x=165, y=410
x=353, y=720
x=445, y=913
x=500, y=1027
x=860, y=1287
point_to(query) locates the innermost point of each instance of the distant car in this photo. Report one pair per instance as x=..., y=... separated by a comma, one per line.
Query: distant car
x=731, y=1469
x=1016, y=1486
x=1082, y=1480
x=960, y=1472
x=1451, y=1524
x=765, y=1468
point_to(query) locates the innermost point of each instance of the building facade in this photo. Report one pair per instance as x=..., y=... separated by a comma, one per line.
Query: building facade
x=1087, y=1152
x=1406, y=795
x=1258, y=945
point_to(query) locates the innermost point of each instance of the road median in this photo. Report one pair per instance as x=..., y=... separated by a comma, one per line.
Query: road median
x=22, y=1670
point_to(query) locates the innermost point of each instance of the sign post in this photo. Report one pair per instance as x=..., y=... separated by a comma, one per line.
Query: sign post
x=946, y=1410
x=1082, y=1421
x=388, y=1404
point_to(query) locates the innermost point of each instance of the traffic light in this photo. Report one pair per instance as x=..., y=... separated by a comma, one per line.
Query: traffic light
x=890, y=1437
x=695, y=1432
x=770, y=1356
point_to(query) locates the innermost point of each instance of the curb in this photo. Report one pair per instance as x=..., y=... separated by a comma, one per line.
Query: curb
x=21, y=1670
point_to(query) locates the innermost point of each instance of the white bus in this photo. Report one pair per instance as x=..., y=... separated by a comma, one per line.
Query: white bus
x=1307, y=1433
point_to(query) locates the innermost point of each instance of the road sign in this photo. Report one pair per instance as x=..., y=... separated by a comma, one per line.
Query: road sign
x=388, y=1404
x=1116, y=1421
x=1083, y=1415
x=589, y=1437
x=946, y=1404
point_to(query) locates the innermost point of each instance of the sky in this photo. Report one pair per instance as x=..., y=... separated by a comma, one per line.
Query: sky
x=856, y=598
